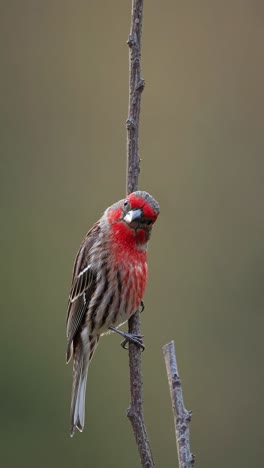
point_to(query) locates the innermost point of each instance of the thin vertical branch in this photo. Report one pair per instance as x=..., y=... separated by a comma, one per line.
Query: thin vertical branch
x=136, y=86
x=182, y=416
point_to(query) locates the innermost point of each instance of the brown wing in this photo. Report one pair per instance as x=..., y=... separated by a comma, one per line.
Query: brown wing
x=83, y=286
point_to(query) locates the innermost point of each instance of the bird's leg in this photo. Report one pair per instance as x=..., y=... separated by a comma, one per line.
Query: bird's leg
x=129, y=338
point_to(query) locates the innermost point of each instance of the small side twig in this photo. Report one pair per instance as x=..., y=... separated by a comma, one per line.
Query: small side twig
x=136, y=86
x=182, y=417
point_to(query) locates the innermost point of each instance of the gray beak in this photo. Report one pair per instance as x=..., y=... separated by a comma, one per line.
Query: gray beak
x=132, y=215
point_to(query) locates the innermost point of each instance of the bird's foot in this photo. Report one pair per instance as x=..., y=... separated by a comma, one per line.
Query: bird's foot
x=135, y=339
x=142, y=305
x=129, y=338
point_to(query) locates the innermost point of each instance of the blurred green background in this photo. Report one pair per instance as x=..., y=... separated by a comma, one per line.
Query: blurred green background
x=64, y=92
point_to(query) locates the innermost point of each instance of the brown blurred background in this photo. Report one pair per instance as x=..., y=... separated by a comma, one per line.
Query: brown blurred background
x=64, y=93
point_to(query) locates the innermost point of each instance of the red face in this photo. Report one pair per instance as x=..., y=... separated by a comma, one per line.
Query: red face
x=132, y=218
x=148, y=206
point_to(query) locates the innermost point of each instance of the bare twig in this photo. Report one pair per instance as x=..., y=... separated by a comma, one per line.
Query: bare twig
x=182, y=417
x=136, y=86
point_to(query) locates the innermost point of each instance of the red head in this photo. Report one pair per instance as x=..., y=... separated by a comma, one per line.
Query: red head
x=131, y=219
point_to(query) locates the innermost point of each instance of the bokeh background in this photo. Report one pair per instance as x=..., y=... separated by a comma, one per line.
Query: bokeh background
x=64, y=93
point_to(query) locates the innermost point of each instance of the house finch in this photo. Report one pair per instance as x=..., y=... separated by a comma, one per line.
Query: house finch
x=108, y=283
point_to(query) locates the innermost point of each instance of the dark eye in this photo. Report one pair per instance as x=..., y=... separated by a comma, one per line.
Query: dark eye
x=125, y=202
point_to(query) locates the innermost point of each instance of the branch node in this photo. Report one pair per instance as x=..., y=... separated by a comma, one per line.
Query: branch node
x=141, y=85
x=131, y=40
x=130, y=123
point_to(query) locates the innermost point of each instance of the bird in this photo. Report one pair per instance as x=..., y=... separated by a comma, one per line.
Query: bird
x=108, y=283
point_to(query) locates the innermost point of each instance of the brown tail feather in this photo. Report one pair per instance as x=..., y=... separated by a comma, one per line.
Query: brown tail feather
x=80, y=371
